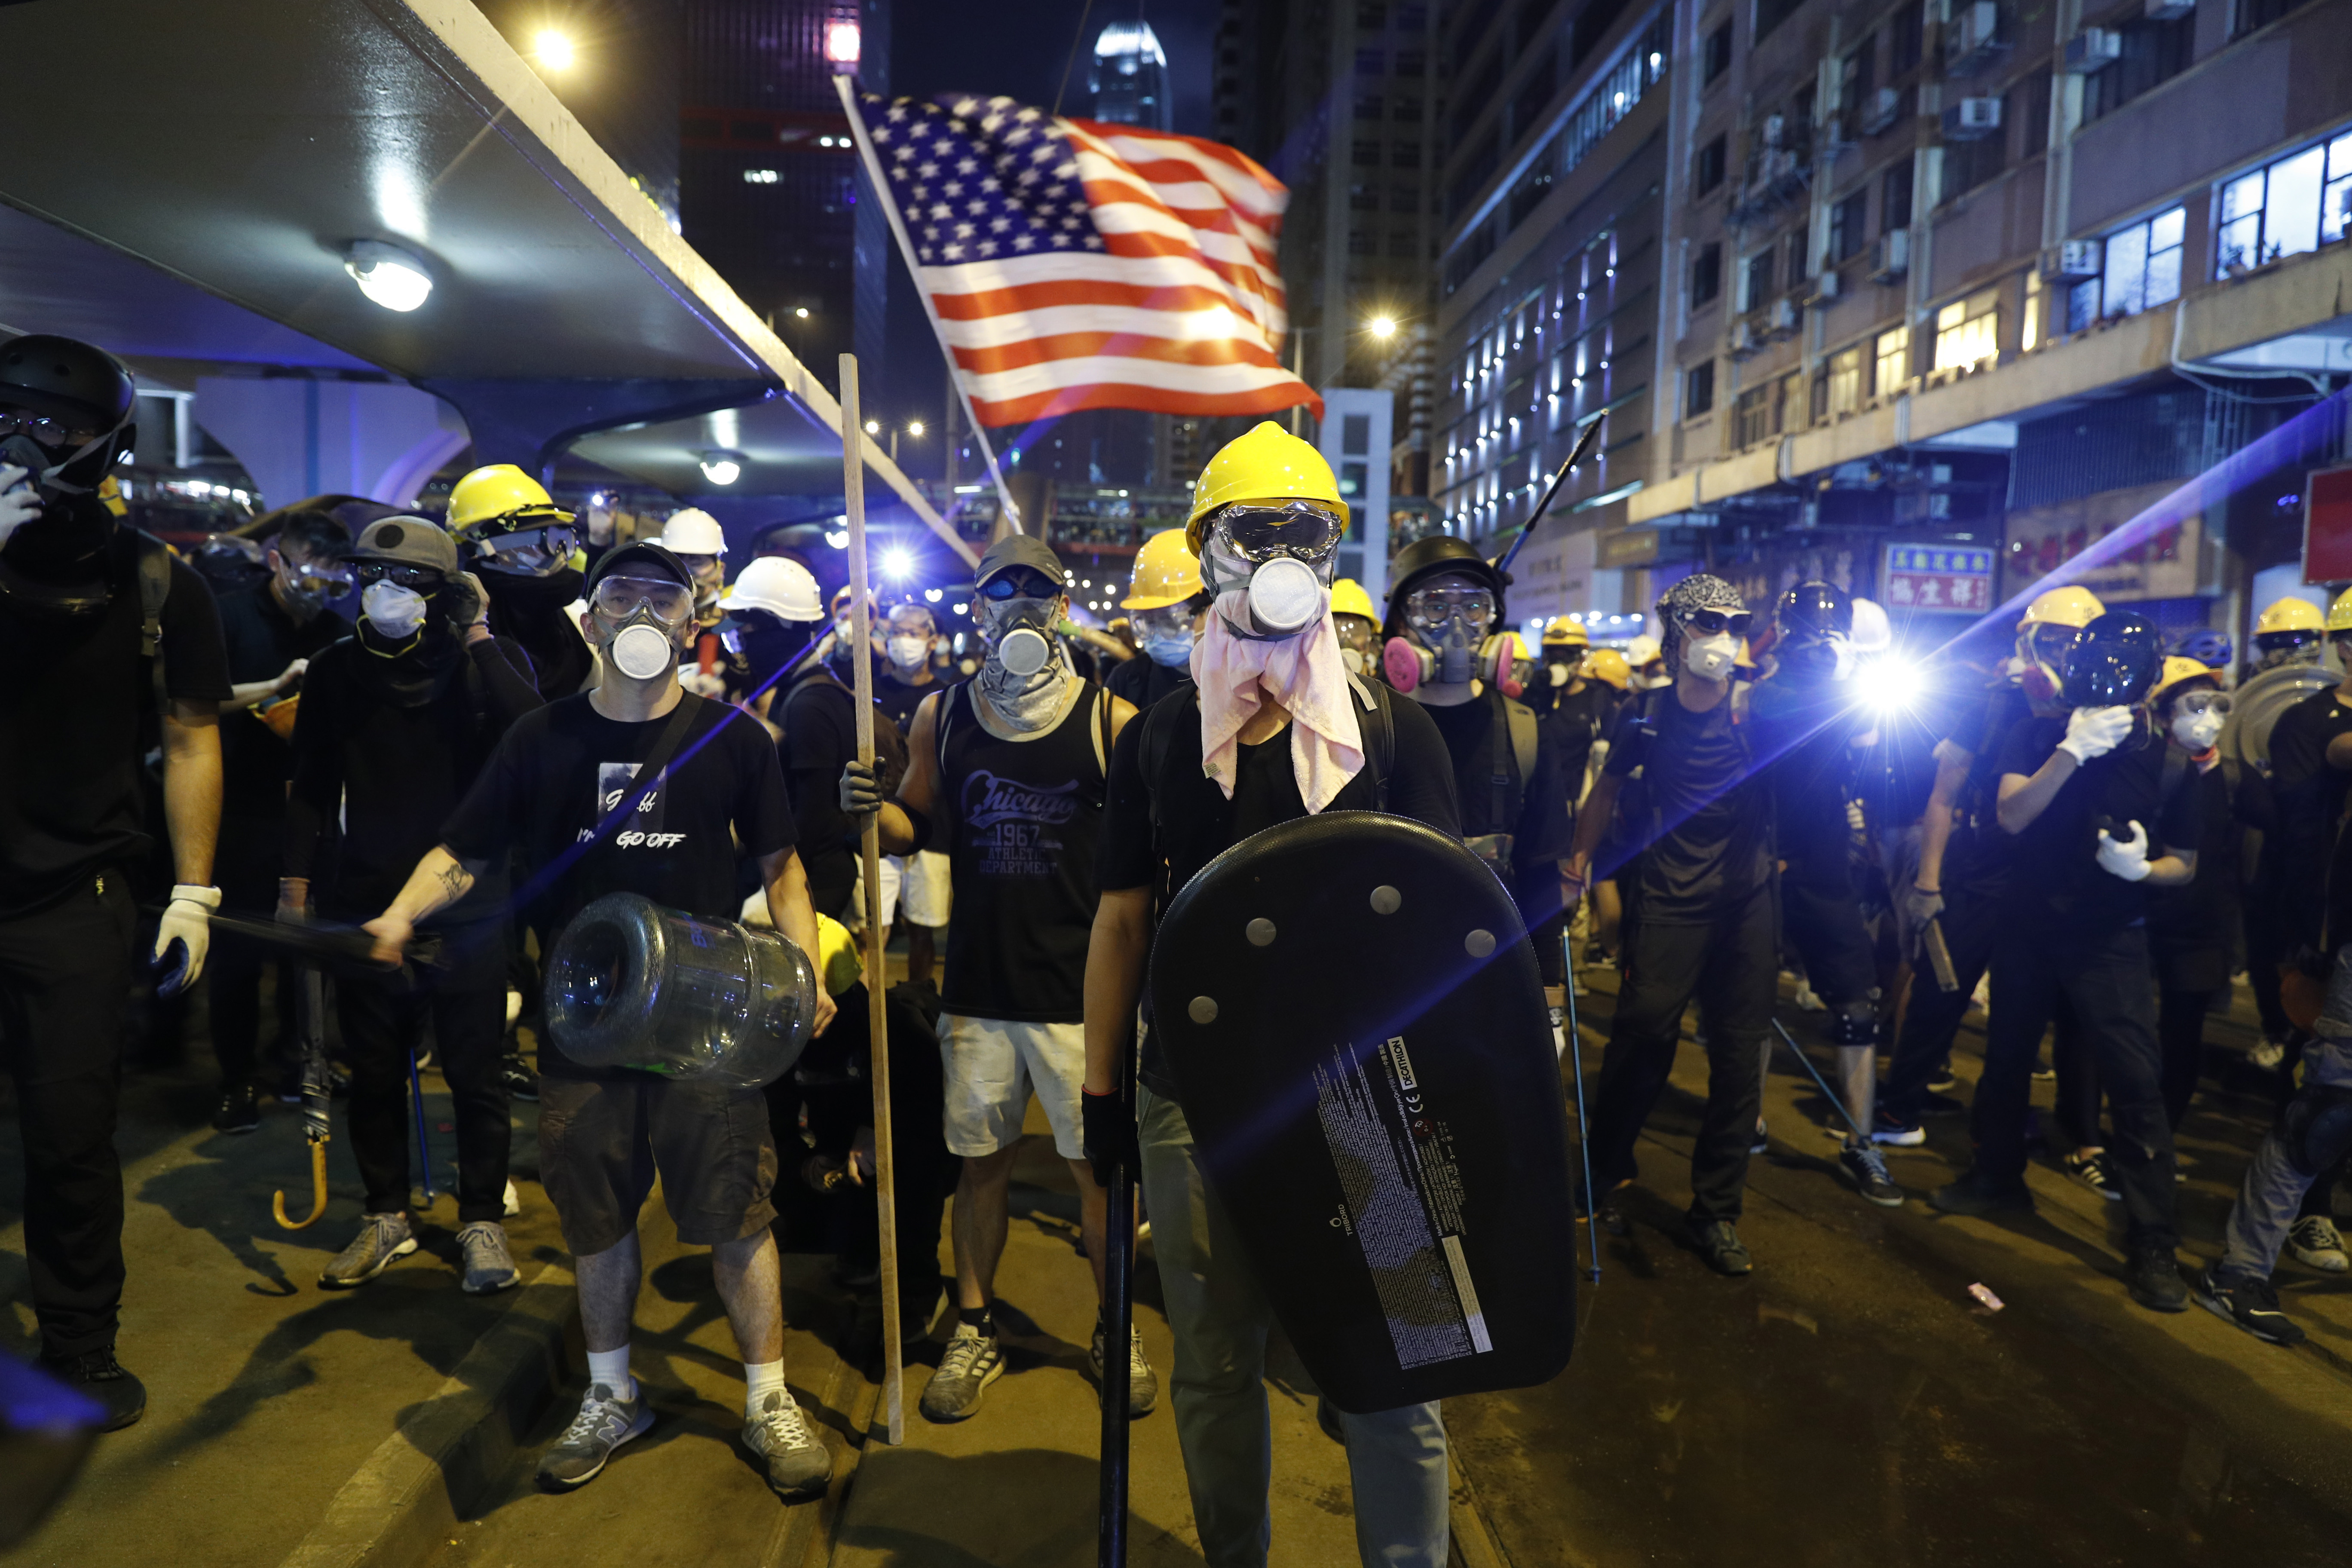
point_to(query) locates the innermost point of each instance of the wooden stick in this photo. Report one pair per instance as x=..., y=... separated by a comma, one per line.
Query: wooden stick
x=852, y=477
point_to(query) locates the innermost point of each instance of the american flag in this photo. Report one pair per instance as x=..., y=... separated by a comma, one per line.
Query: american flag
x=1071, y=264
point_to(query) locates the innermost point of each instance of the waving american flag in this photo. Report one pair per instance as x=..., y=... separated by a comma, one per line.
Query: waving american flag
x=1070, y=264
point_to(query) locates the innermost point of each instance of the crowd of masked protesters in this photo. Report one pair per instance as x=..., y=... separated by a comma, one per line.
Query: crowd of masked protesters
x=416, y=726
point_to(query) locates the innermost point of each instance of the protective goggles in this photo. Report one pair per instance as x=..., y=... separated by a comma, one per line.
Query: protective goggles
x=418, y=579
x=1017, y=583
x=1435, y=606
x=1300, y=528
x=1714, y=623
x=1168, y=620
x=324, y=578
x=557, y=540
x=44, y=430
x=2216, y=702
x=618, y=598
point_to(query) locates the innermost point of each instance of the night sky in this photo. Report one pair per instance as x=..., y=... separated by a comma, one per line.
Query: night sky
x=955, y=46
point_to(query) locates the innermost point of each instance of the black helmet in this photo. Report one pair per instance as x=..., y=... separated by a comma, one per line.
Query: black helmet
x=2115, y=662
x=1811, y=611
x=1427, y=557
x=82, y=387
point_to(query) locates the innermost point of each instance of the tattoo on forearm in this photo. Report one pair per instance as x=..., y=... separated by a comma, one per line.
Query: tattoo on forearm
x=453, y=881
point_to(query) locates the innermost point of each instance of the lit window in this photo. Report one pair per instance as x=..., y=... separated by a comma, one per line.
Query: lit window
x=758, y=176
x=1891, y=362
x=1967, y=330
x=2294, y=205
x=2140, y=268
x=1846, y=380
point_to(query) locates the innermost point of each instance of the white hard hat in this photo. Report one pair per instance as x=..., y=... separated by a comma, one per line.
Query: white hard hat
x=1873, y=632
x=1641, y=651
x=776, y=584
x=693, y=531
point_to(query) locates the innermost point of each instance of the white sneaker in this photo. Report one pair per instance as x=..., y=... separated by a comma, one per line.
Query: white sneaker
x=2317, y=1244
x=798, y=1463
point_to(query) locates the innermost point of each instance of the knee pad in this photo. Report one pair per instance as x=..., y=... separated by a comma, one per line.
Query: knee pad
x=2317, y=1126
x=1854, y=1028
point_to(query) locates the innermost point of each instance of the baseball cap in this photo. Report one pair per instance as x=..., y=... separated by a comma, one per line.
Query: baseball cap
x=1020, y=549
x=410, y=541
x=639, y=559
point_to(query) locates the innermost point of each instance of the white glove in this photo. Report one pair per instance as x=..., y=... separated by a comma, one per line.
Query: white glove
x=713, y=685
x=2094, y=732
x=20, y=503
x=2125, y=857
x=187, y=920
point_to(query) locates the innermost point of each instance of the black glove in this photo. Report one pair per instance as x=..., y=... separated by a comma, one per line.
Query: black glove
x=861, y=791
x=1107, y=1129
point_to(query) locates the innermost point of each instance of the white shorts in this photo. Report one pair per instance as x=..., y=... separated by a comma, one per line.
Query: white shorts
x=929, y=891
x=992, y=1067
x=893, y=867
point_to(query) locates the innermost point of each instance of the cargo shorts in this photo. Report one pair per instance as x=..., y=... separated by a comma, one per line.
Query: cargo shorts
x=602, y=1140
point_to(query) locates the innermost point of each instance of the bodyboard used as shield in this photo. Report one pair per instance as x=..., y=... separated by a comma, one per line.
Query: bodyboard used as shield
x=1355, y=1020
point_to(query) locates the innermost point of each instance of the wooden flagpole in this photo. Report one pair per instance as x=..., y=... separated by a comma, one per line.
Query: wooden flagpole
x=853, y=479
x=847, y=91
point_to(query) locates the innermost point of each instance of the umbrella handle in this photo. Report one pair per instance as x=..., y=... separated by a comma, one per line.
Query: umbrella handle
x=318, y=1191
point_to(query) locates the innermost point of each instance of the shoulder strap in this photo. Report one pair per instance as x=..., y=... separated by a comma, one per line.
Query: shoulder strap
x=155, y=587
x=1102, y=733
x=939, y=731
x=1380, y=735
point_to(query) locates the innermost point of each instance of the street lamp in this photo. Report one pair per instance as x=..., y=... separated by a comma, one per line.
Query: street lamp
x=1382, y=327
x=552, y=49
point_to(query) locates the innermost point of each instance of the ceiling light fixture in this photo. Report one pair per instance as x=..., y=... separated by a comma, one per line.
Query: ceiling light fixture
x=393, y=278
x=721, y=467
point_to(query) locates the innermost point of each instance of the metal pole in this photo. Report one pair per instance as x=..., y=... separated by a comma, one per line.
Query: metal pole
x=1827, y=1092
x=1576, y=1069
x=1118, y=1320
x=886, y=1197
x=423, y=1146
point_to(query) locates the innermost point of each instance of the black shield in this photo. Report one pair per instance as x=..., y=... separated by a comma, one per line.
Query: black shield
x=1353, y=1013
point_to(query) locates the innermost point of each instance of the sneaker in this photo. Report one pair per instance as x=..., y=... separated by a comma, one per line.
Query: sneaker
x=2269, y=1055
x=2316, y=1244
x=98, y=1376
x=518, y=1079
x=240, y=1110
x=1968, y=1196
x=1865, y=1167
x=1720, y=1247
x=2044, y=1073
x=799, y=1464
x=488, y=1265
x=382, y=1238
x=2251, y=1304
x=1142, y=1383
x=1894, y=1132
x=2091, y=1169
x=603, y=1424
x=2153, y=1278
x=1761, y=1143
x=970, y=1362
x=1943, y=1082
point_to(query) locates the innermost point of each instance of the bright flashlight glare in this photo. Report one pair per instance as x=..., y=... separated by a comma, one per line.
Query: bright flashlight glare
x=1888, y=685
x=553, y=49
x=1383, y=326
x=897, y=562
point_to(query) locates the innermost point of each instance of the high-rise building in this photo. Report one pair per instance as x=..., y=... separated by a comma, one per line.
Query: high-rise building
x=1128, y=77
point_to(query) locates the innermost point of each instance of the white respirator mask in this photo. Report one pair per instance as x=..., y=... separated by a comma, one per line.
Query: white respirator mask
x=906, y=652
x=395, y=612
x=642, y=648
x=1283, y=554
x=1711, y=659
x=2198, y=731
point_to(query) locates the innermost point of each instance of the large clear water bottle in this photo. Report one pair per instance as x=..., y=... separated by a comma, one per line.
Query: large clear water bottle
x=633, y=984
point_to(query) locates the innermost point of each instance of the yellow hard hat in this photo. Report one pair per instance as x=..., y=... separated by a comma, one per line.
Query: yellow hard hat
x=1348, y=598
x=109, y=496
x=1263, y=463
x=1609, y=665
x=1744, y=658
x=1566, y=631
x=1165, y=574
x=2177, y=670
x=2339, y=614
x=2067, y=606
x=501, y=499
x=2290, y=614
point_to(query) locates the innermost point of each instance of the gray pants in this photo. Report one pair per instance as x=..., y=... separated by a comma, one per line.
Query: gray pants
x=2272, y=1195
x=1396, y=1458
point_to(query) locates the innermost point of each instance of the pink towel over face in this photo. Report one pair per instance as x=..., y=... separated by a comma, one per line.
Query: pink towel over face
x=1303, y=673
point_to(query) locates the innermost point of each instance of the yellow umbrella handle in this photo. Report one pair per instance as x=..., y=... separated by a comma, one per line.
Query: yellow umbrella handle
x=318, y=1191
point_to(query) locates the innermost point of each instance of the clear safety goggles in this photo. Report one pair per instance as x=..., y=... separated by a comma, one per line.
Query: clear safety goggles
x=1431, y=607
x=618, y=598
x=1259, y=533
x=2214, y=702
x=399, y=575
x=1168, y=621
x=327, y=579
x=1715, y=623
x=54, y=434
x=531, y=546
x=1355, y=632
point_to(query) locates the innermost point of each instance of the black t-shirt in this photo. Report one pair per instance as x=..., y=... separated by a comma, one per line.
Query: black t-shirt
x=1702, y=833
x=562, y=767
x=1144, y=681
x=72, y=709
x=2056, y=880
x=1543, y=828
x=262, y=639
x=1980, y=854
x=818, y=717
x=1803, y=735
x=1198, y=823
x=1576, y=719
x=899, y=701
x=2191, y=927
x=2308, y=798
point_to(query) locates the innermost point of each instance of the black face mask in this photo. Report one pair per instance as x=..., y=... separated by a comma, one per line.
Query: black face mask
x=415, y=669
x=522, y=591
x=1810, y=662
x=760, y=643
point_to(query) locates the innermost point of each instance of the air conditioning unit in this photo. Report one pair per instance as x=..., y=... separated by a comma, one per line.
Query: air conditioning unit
x=1784, y=315
x=1890, y=255
x=1972, y=36
x=2076, y=261
x=1880, y=110
x=2169, y=10
x=2094, y=49
x=1971, y=118
x=1775, y=127
x=1743, y=339
x=1827, y=286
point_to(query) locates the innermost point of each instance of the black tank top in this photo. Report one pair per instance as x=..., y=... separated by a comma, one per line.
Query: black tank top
x=1024, y=821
